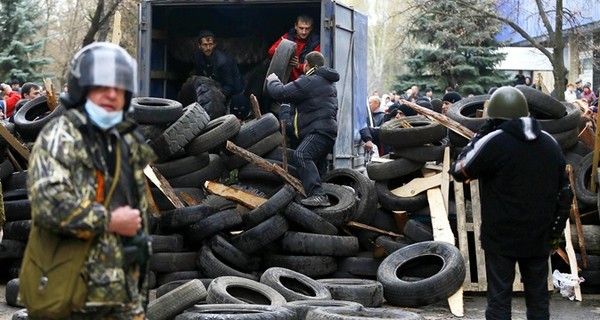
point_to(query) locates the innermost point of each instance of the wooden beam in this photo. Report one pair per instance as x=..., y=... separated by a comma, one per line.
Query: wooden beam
x=577, y=217
x=595, y=158
x=152, y=173
x=14, y=143
x=418, y=185
x=255, y=107
x=441, y=119
x=247, y=199
x=266, y=165
x=363, y=226
x=572, y=260
x=116, y=32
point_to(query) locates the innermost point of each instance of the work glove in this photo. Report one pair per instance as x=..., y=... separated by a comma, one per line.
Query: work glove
x=272, y=77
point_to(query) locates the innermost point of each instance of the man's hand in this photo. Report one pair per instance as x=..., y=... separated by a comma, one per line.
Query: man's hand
x=369, y=146
x=125, y=221
x=272, y=77
x=294, y=62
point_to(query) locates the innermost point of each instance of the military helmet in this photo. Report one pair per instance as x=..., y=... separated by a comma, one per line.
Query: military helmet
x=100, y=64
x=507, y=103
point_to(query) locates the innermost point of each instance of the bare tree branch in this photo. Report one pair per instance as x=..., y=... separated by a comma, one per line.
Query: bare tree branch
x=544, y=17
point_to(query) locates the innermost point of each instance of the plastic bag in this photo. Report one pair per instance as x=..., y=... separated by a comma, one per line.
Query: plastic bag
x=566, y=282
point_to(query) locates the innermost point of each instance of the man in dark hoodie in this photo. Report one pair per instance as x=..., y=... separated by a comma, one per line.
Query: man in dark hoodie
x=313, y=116
x=524, y=201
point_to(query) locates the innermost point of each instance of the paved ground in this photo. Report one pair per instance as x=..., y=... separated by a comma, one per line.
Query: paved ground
x=561, y=308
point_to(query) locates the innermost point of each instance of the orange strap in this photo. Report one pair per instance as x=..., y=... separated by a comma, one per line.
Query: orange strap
x=100, y=188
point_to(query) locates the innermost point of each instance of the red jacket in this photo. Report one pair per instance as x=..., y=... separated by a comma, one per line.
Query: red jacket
x=296, y=71
x=11, y=100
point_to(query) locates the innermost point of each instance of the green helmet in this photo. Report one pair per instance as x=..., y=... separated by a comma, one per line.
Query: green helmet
x=507, y=103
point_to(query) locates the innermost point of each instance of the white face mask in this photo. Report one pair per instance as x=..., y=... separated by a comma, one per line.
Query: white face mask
x=102, y=118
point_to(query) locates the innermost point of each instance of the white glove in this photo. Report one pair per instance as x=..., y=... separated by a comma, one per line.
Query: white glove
x=272, y=77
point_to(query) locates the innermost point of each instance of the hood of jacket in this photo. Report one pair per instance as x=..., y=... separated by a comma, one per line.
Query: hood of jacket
x=525, y=128
x=328, y=73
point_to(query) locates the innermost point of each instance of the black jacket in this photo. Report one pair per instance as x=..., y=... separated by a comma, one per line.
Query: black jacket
x=314, y=100
x=521, y=170
x=221, y=68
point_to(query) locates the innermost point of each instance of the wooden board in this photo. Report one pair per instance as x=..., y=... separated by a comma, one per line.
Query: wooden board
x=247, y=199
x=572, y=259
x=163, y=185
x=418, y=185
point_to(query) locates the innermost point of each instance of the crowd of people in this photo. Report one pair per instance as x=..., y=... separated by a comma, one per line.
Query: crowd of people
x=13, y=96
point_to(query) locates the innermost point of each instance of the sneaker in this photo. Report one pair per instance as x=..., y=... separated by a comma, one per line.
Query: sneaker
x=316, y=201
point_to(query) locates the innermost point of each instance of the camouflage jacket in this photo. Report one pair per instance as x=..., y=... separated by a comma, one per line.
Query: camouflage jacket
x=62, y=186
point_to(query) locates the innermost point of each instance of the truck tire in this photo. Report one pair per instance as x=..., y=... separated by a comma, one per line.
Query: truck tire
x=280, y=63
x=155, y=111
x=568, y=122
x=206, y=92
x=464, y=111
x=438, y=286
x=214, y=135
x=542, y=104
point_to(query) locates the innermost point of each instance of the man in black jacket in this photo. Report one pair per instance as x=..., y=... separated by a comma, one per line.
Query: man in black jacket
x=525, y=193
x=314, y=99
x=215, y=64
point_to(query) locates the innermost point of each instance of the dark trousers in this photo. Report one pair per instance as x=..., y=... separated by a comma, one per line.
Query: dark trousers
x=310, y=158
x=500, y=272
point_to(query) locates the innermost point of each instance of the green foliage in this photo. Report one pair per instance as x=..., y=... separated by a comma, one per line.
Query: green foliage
x=454, y=50
x=19, y=46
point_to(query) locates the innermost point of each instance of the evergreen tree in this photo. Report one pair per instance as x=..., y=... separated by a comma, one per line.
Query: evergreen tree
x=453, y=51
x=19, y=45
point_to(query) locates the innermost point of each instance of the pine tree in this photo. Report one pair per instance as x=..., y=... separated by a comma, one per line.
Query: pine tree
x=19, y=45
x=453, y=51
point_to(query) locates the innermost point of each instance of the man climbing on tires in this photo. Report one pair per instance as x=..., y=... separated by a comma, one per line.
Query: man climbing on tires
x=524, y=201
x=313, y=115
x=306, y=41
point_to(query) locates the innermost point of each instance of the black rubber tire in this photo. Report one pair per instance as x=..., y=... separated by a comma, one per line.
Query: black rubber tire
x=165, y=278
x=255, y=130
x=262, y=234
x=393, y=202
x=214, y=267
x=238, y=290
x=363, y=187
x=17, y=230
x=568, y=122
x=155, y=111
x=308, y=220
x=206, y=92
x=196, y=179
x=437, y=287
x=542, y=103
x=27, y=121
x=17, y=180
x=182, y=166
x=343, y=204
x=302, y=307
x=271, y=207
x=16, y=210
x=260, y=148
x=312, y=266
x=464, y=111
x=280, y=63
x=207, y=227
x=582, y=182
x=566, y=139
x=423, y=131
x=362, y=314
x=219, y=202
x=167, y=243
x=369, y=293
x=6, y=169
x=433, y=152
x=215, y=135
x=293, y=285
x=11, y=249
x=12, y=293
x=15, y=194
x=170, y=286
x=364, y=267
x=173, y=261
x=236, y=312
x=186, y=216
x=390, y=244
x=319, y=244
x=417, y=231
x=229, y=254
x=176, y=301
x=398, y=167
x=251, y=172
x=173, y=140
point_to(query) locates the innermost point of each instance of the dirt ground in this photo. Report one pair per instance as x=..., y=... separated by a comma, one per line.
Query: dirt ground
x=474, y=308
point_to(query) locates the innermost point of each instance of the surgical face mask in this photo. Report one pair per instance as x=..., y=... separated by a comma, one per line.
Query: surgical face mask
x=102, y=118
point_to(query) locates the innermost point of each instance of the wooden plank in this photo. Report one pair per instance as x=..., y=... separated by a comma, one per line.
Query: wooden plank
x=595, y=158
x=247, y=199
x=441, y=119
x=461, y=226
x=480, y=256
x=572, y=259
x=400, y=217
x=363, y=226
x=446, y=178
x=13, y=142
x=165, y=187
x=255, y=107
x=418, y=185
x=116, y=32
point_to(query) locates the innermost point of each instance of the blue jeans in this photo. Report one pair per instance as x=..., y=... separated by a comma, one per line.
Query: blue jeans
x=310, y=159
x=500, y=272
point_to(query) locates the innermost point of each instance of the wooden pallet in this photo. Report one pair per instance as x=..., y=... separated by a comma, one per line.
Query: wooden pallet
x=468, y=222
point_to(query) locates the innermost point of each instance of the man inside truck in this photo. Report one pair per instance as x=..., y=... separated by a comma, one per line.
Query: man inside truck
x=214, y=63
x=306, y=40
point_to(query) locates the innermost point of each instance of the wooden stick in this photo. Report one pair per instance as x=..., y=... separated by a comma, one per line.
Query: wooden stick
x=284, y=146
x=595, y=157
x=247, y=199
x=577, y=217
x=152, y=173
x=441, y=119
x=50, y=96
x=14, y=161
x=188, y=199
x=266, y=165
x=573, y=261
x=255, y=107
x=363, y=226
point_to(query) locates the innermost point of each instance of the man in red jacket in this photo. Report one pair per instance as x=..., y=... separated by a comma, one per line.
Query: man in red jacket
x=11, y=98
x=306, y=40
